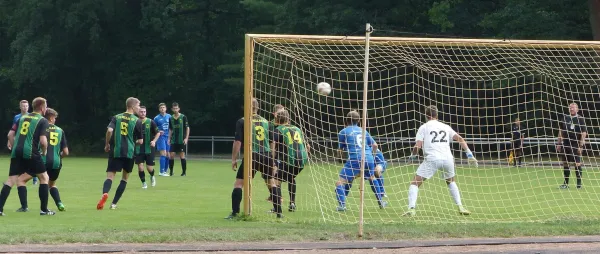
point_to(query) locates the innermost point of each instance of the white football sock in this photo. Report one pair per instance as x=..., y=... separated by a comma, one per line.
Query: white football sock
x=455, y=193
x=413, y=192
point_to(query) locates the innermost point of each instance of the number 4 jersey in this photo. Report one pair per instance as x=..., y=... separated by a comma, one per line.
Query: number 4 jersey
x=436, y=138
x=127, y=128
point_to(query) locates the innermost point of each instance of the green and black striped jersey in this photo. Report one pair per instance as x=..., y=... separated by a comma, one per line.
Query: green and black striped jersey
x=290, y=145
x=127, y=129
x=262, y=133
x=149, y=130
x=57, y=141
x=178, y=128
x=27, y=136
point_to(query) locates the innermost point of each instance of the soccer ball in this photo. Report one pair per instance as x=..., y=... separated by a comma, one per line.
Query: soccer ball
x=323, y=88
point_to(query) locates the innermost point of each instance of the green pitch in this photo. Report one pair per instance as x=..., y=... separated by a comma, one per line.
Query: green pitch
x=192, y=208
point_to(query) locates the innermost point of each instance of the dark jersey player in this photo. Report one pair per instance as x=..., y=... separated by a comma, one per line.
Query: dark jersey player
x=144, y=153
x=179, y=133
x=261, y=160
x=517, y=142
x=24, y=108
x=123, y=132
x=29, y=144
x=571, y=141
x=291, y=150
x=57, y=148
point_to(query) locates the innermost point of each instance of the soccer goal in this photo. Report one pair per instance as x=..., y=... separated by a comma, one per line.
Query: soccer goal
x=480, y=88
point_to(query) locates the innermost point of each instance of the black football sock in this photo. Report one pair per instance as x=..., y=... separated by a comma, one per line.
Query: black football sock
x=292, y=190
x=567, y=174
x=55, y=195
x=520, y=159
x=43, y=192
x=276, y=199
x=183, y=165
x=151, y=172
x=171, y=164
x=236, y=199
x=142, y=175
x=579, y=174
x=120, y=191
x=22, y=190
x=107, y=185
x=4, y=196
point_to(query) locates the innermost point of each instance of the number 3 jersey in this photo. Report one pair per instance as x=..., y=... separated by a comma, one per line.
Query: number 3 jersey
x=127, y=128
x=436, y=138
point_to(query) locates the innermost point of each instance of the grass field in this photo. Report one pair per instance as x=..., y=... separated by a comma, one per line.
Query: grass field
x=191, y=209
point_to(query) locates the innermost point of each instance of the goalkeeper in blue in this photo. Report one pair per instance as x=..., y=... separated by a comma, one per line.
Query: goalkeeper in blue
x=350, y=140
x=434, y=138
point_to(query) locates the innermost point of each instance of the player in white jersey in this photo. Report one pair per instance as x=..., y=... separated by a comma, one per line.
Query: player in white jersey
x=434, y=138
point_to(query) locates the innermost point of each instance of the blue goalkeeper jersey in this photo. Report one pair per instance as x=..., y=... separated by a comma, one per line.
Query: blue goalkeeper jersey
x=380, y=160
x=163, y=123
x=350, y=140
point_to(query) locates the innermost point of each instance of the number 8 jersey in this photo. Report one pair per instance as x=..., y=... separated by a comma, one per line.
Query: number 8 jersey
x=436, y=137
x=127, y=128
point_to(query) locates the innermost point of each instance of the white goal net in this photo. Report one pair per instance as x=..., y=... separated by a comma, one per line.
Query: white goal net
x=480, y=88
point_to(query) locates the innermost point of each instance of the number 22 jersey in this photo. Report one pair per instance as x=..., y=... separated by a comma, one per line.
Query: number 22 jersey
x=436, y=137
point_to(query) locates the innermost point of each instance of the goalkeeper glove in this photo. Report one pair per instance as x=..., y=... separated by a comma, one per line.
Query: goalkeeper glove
x=412, y=157
x=472, y=159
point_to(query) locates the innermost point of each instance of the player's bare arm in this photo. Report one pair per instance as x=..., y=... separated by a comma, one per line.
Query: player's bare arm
x=416, y=148
x=235, y=150
x=582, y=143
x=559, y=142
x=44, y=144
x=153, y=142
x=170, y=134
x=465, y=148
x=11, y=139
x=107, y=137
x=187, y=135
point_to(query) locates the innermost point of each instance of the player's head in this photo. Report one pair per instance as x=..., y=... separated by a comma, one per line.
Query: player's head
x=162, y=108
x=431, y=112
x=51, y=115
x=142, y=112
x=277, y=108
x=573, y=108
x=175, y=107
x=517, y=121
x=282, y=117
x=39, y=105
x=353, y=118
x=24, y=106
x=255, y=106
x=133, y=104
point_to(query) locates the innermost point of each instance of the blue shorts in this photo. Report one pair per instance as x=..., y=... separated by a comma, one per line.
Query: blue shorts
x=162, y=144
x=351, y=169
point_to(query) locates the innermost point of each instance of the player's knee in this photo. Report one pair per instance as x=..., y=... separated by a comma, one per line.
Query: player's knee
x=51, y=184
x=43, y=178
x=239, y=183
x=340, y=182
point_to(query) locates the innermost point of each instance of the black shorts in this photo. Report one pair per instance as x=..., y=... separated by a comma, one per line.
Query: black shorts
x=146, y=158
x=261, y=162
x=32, y=166
x=516, y=144
x=177, y=148
x=53, y=173
x=570, y=154
x=119, y=164
x=287, y=172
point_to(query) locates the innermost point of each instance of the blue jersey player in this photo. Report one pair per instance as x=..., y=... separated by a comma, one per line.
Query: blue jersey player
x=350, y=140
x=24, y=107
x=162, y=144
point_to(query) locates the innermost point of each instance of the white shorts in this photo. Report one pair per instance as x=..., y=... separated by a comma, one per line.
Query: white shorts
x=428, y=168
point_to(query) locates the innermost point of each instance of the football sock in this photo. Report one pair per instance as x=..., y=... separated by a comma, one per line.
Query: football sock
x=163, y=164
x=22, y=190
x=55, y=195
x=276, y=197
x=183, y=165
x=43, y=193
x=292, y=190
x=4, y=196
x=171, y=164
x=151, y=172
x=413, y=192
x=236, y=199
x=578, y=174
x=347, y=188
x=107, y=185
x=120, y=191
x=341, y=195
x=567, y=174
x=142, y=175
x=455, y=193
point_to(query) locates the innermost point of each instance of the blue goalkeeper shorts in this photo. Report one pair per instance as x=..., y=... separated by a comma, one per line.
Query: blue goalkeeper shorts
x=351, y=170
x=162, y=144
